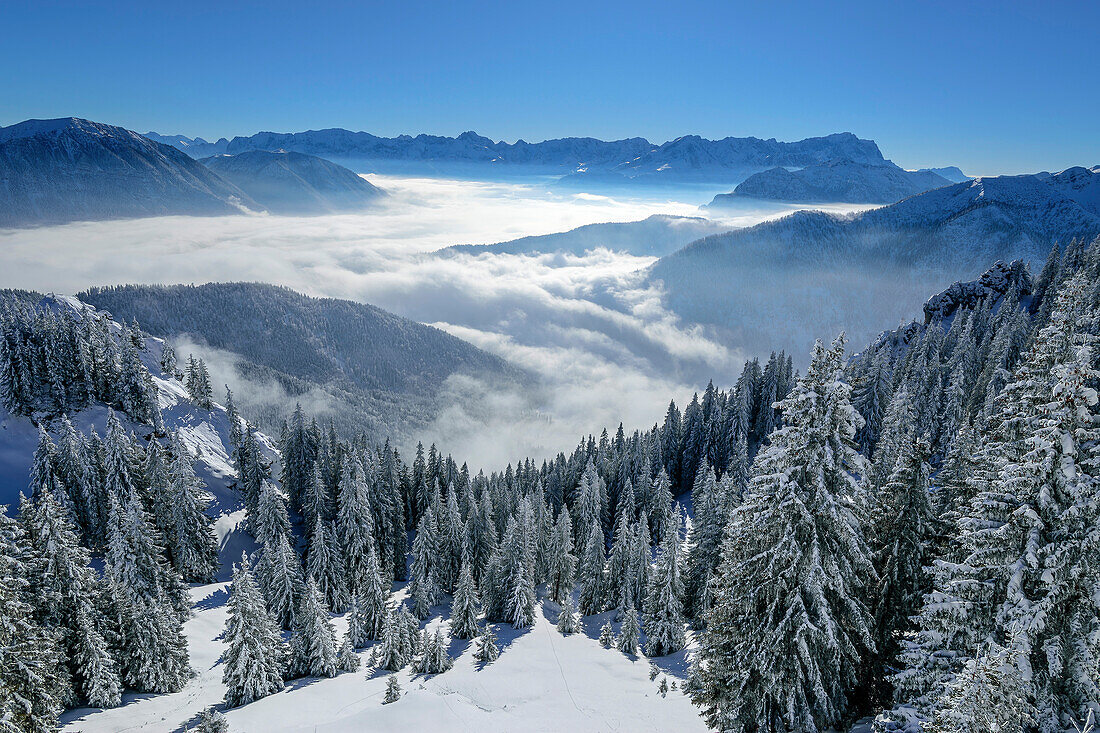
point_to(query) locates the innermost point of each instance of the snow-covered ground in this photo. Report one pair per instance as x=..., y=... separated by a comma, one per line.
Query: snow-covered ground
x=543, y=681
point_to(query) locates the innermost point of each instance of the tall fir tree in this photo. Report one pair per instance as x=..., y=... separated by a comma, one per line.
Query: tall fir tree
x=795, y=573
x=255, y=656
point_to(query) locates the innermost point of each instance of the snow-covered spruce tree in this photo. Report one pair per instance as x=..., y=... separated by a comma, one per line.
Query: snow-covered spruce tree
x=591, y=506
x=393, y=690
x=65, y=587
x=519, y=602
x=659, y=514
x=369, y=606
x=393, y=652
x=1023, y=574
x=146, y=597
x=591, y=574
x=628, y=633
x=707, y=527
x=255, y=656
x=486, y=651
x=150, y=647
x=198, y=383
x=607, y=635
x=988, y=695
x=346, y=658
x=168, y=359
x=422, y=587
x=664, y=613
x=212, y=721
x=271, y=520
x=281, y=579
x=433, y=657
x=620, y=579
x=236, y=432
x=562, y=564
x=568, y=623
x=355, y=526
x=325, y=565
x=189, y=536
x=464, y=610
x=902, y=530
x=795, y=573
x=31, y=686
x=313, y=645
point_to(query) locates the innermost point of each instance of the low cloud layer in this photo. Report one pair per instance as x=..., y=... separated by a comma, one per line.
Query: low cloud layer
x=602, y=343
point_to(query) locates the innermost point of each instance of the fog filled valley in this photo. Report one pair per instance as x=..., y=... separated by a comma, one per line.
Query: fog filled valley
x=739, y=373
x=597, y=339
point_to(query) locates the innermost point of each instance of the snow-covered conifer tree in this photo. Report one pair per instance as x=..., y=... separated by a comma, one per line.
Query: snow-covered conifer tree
x=815, y=624
x=464, y=611
x=663, y=605
x=628, y=633
x=591, y=574
x=568, y=622
x=486, y=651
x=255, y=656
x=313, y=645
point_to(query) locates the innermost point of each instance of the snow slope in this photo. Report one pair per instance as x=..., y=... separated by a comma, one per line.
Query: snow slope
x=205, y=433
x=541, y=682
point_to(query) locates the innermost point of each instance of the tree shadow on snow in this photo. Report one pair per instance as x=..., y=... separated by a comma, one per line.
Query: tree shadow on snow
x=215, y=599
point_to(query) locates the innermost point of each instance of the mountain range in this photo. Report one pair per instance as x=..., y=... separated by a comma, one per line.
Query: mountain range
x=688, y=158
x=71, y=169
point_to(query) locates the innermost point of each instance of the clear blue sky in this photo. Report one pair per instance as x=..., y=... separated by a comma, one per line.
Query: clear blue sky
x=990, y=86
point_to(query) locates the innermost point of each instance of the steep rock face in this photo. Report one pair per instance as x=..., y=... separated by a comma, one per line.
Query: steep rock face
x=71, y=169
x=835, y=181
x=951, y=173
x=996, y=281
x=294, y=183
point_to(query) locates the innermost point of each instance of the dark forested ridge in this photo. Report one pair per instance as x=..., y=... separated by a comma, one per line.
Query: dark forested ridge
x=374, y=363
x=906, y=534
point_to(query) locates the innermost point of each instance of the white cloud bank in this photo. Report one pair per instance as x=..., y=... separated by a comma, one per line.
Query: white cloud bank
x=605, y=348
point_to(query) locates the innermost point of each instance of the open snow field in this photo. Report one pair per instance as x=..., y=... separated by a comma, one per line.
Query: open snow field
x=542, y=681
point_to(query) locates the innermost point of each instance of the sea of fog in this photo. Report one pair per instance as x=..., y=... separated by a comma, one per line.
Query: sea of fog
x=601, y=342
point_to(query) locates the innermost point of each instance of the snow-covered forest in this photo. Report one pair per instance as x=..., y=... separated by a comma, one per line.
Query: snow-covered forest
x=903, y=536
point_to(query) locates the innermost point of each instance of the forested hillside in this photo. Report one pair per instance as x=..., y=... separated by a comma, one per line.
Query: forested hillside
x=379, y=372
x=905, y=534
